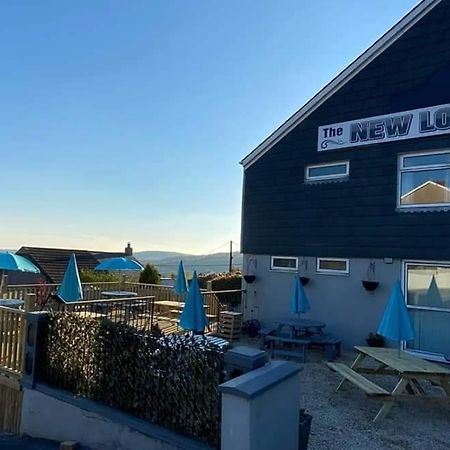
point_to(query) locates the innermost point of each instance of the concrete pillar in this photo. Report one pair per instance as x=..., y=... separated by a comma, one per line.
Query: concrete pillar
x=33, y=340
x=260, y=409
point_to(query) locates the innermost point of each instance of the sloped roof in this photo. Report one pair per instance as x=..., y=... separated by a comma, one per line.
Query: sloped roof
x=408, y=21
x=52, y=262
x=428, y=192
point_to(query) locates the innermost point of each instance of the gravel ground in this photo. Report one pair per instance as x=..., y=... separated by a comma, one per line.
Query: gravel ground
x=343, y=420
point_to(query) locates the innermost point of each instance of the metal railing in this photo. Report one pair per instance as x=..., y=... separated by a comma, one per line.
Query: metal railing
x=35, y=296
x=137, y=312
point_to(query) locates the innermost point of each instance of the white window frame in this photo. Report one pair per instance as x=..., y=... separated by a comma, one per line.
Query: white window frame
x=308, y=177
x=404, y=282
x=401, y=169
x=289, y=269
x=331, y=271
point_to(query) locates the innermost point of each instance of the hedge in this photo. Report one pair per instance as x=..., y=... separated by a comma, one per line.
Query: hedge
x=169, y=380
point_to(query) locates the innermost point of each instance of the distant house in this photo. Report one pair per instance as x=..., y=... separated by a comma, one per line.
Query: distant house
x=355, y=187
x=426, y=193
x=52, y=262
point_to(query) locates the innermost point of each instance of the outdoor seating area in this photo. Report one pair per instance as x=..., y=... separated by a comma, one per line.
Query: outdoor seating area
x=290, y=338
x=410, y=370
x=191, y=318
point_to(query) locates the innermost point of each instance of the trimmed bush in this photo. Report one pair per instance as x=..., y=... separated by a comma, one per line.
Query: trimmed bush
x=227, y=281
x=169, y=380
x=89, y=276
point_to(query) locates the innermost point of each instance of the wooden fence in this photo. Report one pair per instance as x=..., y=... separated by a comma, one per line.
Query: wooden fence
x=12, y=329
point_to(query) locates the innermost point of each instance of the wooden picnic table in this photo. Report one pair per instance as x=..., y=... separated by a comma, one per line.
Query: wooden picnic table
x=170, y=303
x=409, y=369
x=301, y=327
x=119, y=294
x=12, y=302
x=173, y=304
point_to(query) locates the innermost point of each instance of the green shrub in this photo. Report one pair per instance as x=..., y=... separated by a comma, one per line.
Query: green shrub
x=90, y=276
x=150, y=275
x=227, y=281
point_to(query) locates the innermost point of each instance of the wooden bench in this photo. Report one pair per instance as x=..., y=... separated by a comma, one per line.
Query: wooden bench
x=167, y=319
x=370, y=389
x=297, y=350
x=266, y=331
x=331, y=344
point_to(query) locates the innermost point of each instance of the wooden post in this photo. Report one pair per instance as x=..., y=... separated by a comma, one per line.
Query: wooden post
x=3, y=283
x=30, y=302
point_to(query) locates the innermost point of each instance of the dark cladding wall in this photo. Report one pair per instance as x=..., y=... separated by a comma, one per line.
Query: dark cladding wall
x=356, y=218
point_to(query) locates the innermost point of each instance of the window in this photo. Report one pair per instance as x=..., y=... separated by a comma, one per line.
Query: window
x=427, y=292
x=332, y=265
x=283, y=263
x=424, y=180
x=327, y=171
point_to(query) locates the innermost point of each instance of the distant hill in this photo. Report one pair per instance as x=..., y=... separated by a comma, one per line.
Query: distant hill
x=167, y=262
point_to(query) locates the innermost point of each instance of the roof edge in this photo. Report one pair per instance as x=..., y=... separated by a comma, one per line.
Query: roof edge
x=384, y=42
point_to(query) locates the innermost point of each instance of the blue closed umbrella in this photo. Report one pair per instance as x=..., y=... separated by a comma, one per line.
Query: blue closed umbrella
x=396, y=323
x=180, y=282
x=193, y=317
x=11, y=261
x=70, y=289
x=119, y=264
x=299, y=300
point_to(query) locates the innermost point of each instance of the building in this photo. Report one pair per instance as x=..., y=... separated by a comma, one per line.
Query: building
x=52, y=262
x=354, y=187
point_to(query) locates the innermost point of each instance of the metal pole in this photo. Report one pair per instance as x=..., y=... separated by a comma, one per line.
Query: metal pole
x=231, y=256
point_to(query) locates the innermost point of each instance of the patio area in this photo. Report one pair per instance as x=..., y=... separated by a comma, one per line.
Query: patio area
x=343, y=420
x=137, y=304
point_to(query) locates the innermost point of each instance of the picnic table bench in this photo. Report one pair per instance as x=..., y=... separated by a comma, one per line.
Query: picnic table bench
x=331, y=344
x=297, y=347
x=409, y=370
x=371, y=389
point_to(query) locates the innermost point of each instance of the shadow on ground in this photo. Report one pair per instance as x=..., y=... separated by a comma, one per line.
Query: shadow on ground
x=25, y=442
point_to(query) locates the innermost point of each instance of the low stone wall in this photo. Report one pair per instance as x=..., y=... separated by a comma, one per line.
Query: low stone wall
x=56, y=415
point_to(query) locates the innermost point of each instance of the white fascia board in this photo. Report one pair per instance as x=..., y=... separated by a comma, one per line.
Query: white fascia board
x=417, y=13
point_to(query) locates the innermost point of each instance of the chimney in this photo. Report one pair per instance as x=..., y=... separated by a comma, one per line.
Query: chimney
x=128, y=250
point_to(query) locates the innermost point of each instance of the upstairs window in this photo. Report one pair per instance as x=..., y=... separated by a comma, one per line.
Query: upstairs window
x=424, y=180
x=327, y=171
x=283, y=263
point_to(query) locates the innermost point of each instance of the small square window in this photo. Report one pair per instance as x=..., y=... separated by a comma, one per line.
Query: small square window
x=332, y=265
x=327, y=171
x=283, y=263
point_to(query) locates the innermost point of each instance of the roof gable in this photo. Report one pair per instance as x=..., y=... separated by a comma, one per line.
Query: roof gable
x=391, y=36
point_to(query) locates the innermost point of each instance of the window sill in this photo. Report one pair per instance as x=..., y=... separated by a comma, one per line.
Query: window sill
x=338, y=274
x=422, y=209
x=328, y=180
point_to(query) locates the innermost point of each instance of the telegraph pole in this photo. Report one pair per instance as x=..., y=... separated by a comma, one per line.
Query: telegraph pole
x=231, y=257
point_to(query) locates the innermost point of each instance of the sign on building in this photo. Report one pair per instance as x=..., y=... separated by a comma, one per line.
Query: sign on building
x=412, y=124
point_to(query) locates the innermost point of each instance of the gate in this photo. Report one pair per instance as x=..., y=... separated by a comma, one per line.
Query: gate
x=12, y=326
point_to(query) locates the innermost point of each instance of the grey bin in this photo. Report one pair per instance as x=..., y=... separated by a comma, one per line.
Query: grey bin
x=243, y=359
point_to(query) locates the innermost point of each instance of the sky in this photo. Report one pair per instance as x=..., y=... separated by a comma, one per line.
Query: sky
x=126, y=120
